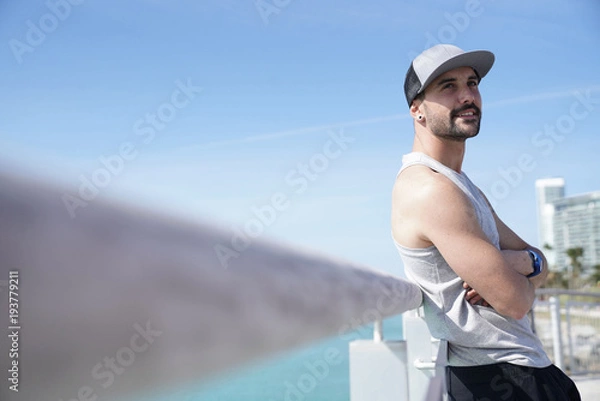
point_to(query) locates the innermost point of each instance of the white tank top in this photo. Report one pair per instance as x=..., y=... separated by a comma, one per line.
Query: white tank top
x=476, y=335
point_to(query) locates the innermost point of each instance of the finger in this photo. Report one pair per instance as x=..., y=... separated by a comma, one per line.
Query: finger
x=475, y=299
x=472, y=294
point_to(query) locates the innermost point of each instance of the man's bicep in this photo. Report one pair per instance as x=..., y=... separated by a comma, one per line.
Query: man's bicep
x=463, y=244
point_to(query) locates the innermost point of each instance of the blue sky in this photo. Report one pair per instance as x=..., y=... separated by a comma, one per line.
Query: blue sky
x=264, y=93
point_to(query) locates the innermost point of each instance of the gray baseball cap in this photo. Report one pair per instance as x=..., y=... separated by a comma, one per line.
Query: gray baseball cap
x=439, y=59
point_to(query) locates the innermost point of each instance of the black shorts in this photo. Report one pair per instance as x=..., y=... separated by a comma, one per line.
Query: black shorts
x=508, y=382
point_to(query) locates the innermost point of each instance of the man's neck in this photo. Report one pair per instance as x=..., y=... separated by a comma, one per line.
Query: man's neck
x=449, y=153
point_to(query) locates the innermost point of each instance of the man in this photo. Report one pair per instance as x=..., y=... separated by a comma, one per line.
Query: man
x=477, y=276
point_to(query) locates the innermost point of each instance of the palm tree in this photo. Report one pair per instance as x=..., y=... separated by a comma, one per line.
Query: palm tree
x=595, y=277
x=557, y=278
x=574, y=255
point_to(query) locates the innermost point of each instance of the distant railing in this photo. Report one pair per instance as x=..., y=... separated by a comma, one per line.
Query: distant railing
x=568, y=323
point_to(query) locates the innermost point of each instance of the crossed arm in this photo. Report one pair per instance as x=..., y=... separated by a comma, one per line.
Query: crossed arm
x=446, y=218
x=513, y=250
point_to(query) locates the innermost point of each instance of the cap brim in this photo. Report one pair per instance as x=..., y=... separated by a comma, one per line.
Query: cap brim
x=480, y=60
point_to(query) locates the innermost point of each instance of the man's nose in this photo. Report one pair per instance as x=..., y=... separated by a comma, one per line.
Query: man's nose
x=466, y=95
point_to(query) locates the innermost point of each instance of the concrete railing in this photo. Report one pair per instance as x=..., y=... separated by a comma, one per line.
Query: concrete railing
x=122, y=301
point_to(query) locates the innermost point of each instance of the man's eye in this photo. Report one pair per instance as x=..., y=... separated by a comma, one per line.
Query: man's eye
x=473, y=83
x=448, y=86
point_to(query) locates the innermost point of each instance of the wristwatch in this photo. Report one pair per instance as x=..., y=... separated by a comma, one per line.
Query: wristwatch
x=536, y=262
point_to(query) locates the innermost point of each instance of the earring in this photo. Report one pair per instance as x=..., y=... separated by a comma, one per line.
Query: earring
x=420, y=117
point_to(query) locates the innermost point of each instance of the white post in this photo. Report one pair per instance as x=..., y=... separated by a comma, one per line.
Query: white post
x=378, y=371
x=378, y=331
x=556, y=331
x=420, y=354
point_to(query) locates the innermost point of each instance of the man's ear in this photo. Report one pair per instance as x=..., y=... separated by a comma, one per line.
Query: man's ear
x=415, y=109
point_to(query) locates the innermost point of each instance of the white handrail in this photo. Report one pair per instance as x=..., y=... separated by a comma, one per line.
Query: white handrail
x=120, y=300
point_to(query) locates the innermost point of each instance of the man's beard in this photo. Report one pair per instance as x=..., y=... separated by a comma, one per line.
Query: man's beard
x=451, y=131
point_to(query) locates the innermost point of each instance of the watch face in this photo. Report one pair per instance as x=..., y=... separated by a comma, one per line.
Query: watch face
x=536, y=263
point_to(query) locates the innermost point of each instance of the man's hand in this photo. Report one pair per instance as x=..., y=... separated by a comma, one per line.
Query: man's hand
x=473, y=296
x=521, y=262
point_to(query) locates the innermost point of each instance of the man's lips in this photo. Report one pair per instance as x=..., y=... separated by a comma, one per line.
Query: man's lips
x=467, y=114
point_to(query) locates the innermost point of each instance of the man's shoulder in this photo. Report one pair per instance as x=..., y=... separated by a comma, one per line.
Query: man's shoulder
x=421, y=185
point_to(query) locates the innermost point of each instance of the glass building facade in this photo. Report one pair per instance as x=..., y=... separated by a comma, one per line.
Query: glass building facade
x=548, y=191
x=568, y=222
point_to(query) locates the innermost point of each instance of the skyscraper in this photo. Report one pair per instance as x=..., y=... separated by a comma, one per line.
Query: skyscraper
x=547, y=191
x=568, y=222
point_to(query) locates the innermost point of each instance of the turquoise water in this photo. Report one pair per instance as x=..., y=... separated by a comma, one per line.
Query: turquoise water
x=317, y=373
